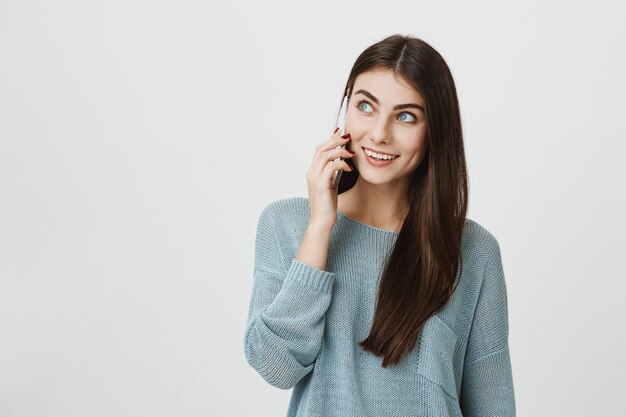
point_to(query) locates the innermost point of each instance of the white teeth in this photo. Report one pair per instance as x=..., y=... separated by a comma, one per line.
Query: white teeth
x=378, y=156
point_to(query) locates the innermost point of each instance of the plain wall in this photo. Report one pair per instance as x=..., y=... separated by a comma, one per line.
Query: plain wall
x=140, y=140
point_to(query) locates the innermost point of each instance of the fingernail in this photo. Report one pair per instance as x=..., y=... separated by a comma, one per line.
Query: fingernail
x=352, y=152
x=336, y=130
x=346, y=136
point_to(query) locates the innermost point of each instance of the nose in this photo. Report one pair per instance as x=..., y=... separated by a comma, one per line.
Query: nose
x=380, y=133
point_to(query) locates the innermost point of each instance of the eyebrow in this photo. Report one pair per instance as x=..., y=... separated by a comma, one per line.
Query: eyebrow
x=397, y=107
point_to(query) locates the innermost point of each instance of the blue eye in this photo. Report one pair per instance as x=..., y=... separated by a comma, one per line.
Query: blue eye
x=408, y=114
x=363, y=102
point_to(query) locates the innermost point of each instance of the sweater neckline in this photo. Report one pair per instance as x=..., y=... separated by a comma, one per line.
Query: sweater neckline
x=392, y=232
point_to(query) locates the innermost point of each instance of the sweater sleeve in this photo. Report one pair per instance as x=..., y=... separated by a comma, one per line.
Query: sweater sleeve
x=286, y=316
x=487, y=384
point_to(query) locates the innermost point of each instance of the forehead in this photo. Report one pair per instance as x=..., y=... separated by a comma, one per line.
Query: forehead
x=388, y=86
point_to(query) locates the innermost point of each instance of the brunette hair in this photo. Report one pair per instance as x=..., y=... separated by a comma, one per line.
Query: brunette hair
x=420, y=273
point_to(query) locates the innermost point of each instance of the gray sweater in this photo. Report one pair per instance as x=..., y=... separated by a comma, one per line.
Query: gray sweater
x=304, y=325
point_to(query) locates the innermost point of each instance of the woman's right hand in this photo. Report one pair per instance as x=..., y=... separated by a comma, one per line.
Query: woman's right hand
x=319, y=177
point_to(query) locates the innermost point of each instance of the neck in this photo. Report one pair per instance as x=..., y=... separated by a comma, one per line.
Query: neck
x=380, y=205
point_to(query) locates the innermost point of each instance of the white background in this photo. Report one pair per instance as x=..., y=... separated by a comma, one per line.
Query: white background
x=140, y=140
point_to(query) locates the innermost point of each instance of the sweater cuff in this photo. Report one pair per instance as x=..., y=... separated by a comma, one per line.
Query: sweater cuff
x=302, y=274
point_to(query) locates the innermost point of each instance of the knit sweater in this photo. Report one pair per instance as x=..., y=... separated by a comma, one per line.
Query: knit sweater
x=304, y=325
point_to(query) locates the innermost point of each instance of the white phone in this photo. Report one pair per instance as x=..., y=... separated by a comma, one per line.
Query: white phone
x=341, y=124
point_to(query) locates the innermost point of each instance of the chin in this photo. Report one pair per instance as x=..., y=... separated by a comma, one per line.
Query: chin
x=371, y=176
x=376, y=179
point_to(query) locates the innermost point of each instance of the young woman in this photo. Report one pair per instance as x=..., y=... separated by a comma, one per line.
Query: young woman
x=381, y=298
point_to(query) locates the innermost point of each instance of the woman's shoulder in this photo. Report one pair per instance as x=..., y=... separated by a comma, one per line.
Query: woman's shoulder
x=479, y=242
x=287, y=208
x=285, y=220
x=289, y=204
x=474, y=228
x=287, y=213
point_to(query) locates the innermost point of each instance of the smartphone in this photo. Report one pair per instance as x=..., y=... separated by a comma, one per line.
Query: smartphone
x=341, y=124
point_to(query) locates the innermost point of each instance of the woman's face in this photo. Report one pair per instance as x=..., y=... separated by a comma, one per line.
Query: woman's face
x=385, y=114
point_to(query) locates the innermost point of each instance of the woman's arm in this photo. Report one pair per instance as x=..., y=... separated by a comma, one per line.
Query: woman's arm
x=287, y=311
x=314, y=247
x=487, y=386
x=286, y=317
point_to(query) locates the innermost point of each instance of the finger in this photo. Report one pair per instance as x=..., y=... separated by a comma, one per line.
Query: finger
x=327, y=156
x=332, y=166
x=334, y=141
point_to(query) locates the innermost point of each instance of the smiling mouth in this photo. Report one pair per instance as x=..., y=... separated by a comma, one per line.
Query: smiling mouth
x=377, y=155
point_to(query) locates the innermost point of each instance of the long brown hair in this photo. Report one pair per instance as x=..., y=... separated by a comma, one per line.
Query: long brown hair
x=420, y=273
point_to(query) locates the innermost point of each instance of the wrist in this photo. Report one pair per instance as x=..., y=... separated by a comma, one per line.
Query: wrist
x=320, y=228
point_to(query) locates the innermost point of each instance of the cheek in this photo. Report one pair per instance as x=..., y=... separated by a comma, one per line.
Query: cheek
x=352, y=127
x=417, y=145
x=356, y=130
x=415, y=151
x=355, y=125
x=417, y=157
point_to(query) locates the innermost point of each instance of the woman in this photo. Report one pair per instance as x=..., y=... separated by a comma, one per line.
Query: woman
x=381, y=298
